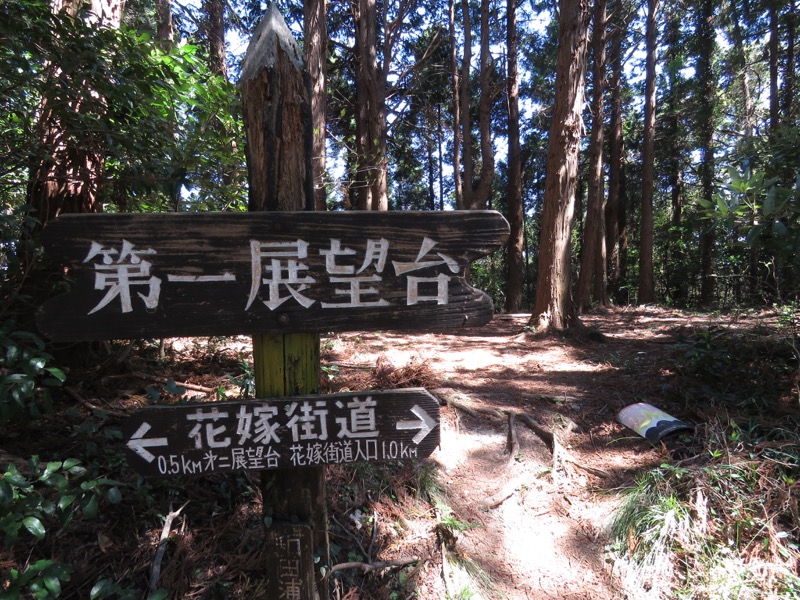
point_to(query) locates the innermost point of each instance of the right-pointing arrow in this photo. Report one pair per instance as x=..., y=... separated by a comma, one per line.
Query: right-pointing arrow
x=138, y=442
x=425, y=424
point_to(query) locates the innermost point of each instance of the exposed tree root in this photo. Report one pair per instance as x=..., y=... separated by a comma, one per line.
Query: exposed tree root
x=550, y=440
x=78, y=398
x=376, y=566
x=185, y=384
x=513, y=442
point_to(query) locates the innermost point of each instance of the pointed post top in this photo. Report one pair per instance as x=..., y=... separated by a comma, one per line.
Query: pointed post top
x=270, y=35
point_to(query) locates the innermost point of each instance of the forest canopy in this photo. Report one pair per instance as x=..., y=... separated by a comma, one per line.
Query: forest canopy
x=424, y=105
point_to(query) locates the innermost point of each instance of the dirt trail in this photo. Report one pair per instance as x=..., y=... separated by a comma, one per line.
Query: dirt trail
x=536, y=523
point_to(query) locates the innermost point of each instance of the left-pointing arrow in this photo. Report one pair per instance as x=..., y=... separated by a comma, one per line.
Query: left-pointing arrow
x=138, y=443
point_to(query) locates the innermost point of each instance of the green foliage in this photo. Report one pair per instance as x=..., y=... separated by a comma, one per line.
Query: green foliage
x=754, y=202
x=25, y=377
x=330, y=372
x=246, y=382
x=704, y=357
x=487, y=274
x=160, y=118
x=42, y=505
x=763, y=214
x=41, y=580
x=106, y=588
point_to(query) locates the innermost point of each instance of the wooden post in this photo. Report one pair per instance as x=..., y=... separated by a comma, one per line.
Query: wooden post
x=276, y=101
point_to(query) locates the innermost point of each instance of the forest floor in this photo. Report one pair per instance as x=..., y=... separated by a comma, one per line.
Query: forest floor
x=515, y=503
x=535, y=524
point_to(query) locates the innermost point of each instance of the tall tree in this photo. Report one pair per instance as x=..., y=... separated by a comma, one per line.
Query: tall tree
x=789, y=75
x=704, y=30
x=165, y=29
x=69, y=173
x=593, y=256
x=674, y=134
x=215, y=35
x=315, y=51
x=456, y=88
x=465, y=97
x=774, y=64
x=647, y=290
x=741, y=71
x=516, y=212
x=616, y=206
x=374, y=22
x=479, y=198
x=371, y=110
x=553, y=308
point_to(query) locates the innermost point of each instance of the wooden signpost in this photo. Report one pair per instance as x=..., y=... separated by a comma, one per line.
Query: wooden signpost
x=283, y=277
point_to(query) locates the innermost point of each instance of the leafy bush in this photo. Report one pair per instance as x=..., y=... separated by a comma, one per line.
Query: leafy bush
x=41, y=505
x=705, y=356
x=25, y=378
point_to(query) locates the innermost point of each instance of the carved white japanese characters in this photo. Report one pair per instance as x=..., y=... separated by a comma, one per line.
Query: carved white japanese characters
x=374, y=257
x=303, y=432
x=138, y=276
x=282, y=272
x=441, y=281
x=118, y=276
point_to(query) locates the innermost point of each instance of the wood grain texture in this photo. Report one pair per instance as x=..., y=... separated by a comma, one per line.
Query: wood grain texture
x=286, y=571
x=210, y=244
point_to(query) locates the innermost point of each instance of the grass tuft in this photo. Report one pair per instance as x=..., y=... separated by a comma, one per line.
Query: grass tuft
x=723, y=523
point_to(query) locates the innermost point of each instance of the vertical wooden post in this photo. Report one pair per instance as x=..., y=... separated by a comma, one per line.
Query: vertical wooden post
x=277, y=112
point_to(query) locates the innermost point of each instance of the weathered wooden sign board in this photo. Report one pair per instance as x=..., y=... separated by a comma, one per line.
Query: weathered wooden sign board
x=204, y=274
x=301, y=431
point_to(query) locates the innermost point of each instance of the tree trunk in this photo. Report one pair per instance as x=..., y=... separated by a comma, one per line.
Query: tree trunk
x=593, y=258
x=315, y=50
x=483, y=189
x=431, y=164
x=456, y=105
x=789, y=75
x=746, y=118
x=741, y=71
x=439, y=156
x=215, y=34
x=466, y=117
x=553, y=308
x=371, y=115
x=647, y=291
x=774, y=49
x=706, y=79
x=516, y=213
x=616, y=152
x=674, y=255
x=164, y=25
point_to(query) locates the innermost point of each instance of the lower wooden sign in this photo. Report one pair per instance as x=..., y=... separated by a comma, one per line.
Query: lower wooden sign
x=301, y=431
